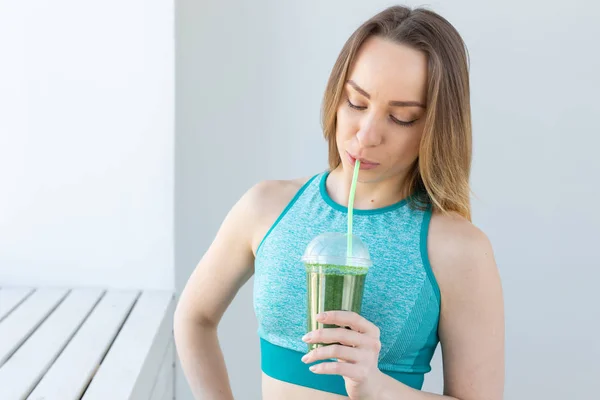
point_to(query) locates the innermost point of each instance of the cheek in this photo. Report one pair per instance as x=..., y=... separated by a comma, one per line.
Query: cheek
x=412, y=139
x=345, y=123
x=415, y=141
x=406, y=147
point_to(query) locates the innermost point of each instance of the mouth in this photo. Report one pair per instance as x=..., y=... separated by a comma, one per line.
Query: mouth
x=364, y=163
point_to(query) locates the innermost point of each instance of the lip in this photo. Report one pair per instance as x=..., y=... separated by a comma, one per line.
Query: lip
x=364, y=164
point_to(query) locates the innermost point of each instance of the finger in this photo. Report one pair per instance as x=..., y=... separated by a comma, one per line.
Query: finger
x=351, y=319
x=339, y=352
x=335, y=335
x=352, y=371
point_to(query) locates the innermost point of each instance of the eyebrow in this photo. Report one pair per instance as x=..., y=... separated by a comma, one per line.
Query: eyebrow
x=395, y=103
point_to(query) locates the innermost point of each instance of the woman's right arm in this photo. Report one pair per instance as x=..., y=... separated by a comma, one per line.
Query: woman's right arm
x=223, y=270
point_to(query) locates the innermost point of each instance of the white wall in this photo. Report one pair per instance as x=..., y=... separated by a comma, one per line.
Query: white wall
x=86, y=143
x=253, y=76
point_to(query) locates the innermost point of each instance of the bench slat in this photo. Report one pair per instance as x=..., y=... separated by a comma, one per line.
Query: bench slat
x=11, y=298
x=170, y=390
x=20, y=323
x=20, y=374
x=72, y=371
x=165, y=375
x=134, y=358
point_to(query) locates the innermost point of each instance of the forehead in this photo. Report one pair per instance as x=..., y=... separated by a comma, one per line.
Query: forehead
x=390, y=71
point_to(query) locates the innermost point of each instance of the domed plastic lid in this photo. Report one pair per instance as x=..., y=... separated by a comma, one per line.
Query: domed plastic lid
x=330, y=248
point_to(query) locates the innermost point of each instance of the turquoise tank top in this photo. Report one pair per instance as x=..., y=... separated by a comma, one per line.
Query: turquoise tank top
x=401, y=295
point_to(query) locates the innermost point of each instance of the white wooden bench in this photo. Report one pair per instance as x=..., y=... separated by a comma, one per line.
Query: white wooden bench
x=91, y=344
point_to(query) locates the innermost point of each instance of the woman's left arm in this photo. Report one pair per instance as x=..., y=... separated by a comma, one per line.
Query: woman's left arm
x=471, y=327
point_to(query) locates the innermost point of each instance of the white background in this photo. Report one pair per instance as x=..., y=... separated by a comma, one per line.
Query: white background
x=87, y=143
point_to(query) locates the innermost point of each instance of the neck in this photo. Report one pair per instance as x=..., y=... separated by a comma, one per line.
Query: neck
x=369, y=194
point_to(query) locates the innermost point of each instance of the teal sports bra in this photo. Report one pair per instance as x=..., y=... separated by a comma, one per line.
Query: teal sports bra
x=401, y=295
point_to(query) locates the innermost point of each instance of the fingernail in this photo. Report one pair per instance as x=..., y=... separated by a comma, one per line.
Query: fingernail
x=306, y=337
x=322, y=316
x=312, y=368
x=304, y=358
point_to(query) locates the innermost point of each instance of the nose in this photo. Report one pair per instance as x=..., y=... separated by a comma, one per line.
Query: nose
x=370, y=133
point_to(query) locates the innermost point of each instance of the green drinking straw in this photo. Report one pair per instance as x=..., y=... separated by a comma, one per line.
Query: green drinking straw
x=351, y=207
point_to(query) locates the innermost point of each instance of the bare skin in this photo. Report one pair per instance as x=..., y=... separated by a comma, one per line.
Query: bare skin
x=471, y=328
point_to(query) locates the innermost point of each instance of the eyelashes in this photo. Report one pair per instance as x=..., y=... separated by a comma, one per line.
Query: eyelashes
x=402, y=123
x=392, y=118
x=354, y=106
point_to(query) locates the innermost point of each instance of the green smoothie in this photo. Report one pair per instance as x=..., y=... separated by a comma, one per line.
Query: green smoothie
x=332, y=287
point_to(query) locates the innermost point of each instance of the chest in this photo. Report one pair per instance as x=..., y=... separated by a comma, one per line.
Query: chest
x=392, y=286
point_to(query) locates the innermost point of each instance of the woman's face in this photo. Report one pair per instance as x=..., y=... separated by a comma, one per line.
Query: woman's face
x=382, y=113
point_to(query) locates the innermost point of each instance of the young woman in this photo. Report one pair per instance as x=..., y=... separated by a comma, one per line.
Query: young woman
x=398, y=101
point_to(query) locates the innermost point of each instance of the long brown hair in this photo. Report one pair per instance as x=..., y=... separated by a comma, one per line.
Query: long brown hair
x=440, y=176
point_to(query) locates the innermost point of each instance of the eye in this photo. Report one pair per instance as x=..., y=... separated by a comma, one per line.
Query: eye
x=394, y=119
x=403, y=123
x=354, y=106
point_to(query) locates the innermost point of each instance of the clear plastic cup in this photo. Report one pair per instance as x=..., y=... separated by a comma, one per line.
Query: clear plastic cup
x=335, y=279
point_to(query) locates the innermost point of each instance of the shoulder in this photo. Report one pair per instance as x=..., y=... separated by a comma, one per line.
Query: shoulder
x=460, y=253
x=271, y=196
x=267, y=194
x=266, y=200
